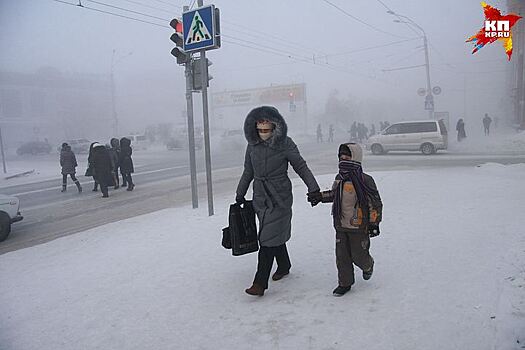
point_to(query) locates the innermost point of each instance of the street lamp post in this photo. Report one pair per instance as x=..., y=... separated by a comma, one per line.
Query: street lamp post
x=429, y=99
x=113, y=94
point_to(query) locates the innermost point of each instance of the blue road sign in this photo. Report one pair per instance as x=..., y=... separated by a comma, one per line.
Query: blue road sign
x=199, y=29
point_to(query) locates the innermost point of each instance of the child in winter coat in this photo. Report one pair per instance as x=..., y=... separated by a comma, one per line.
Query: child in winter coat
x=357, y=211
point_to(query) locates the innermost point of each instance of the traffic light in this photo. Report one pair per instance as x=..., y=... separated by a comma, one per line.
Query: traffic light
x=177, y=38
x=197, y=73
x=293, y=106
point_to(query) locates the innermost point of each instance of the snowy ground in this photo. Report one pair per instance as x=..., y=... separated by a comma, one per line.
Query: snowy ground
x=450, y=274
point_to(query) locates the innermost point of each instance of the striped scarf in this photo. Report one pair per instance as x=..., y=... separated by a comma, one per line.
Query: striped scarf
x=350, y=170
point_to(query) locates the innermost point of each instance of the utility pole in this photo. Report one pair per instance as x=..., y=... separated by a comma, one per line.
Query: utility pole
x=207, y=151
x=429, y=97
x=113, y=102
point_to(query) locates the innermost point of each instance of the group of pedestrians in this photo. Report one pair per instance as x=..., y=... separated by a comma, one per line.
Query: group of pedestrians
x=104, y=162
x=486, y=121
x=356, y=208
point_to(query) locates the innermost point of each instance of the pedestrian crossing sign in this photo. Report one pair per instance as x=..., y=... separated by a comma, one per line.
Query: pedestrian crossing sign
x=199, y=29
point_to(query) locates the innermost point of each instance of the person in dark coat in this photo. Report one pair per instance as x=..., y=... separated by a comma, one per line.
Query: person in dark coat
x=68, y=162
x=90, y=171
x=126, y=163
x=331, y=133
x=114, y=152
x=486, y=124
x=102, y=167
x=268, y=154
x=460, y=128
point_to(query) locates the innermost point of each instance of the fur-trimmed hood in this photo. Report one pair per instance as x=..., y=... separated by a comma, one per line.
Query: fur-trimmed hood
x=265, y=113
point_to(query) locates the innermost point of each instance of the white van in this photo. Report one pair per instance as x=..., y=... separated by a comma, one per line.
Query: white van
x=427, y=136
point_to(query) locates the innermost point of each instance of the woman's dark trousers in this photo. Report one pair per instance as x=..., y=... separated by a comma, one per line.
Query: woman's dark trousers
x=75, y=180
x=265, y=262
x=126, y=178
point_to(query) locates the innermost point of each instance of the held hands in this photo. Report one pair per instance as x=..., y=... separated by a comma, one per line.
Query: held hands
x=373, y=230
x=239, y=199
x=314, y=198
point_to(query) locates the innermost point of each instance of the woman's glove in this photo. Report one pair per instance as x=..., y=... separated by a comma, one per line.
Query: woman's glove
x=373, y=230
x=239, y=199
x=314, y=198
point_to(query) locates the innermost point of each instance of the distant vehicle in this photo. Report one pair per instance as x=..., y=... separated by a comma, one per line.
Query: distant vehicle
x=34, y=147
x=233, y=139
x=78, y=146
x=139, y=141
x=180, y=140
x=426, y=136
x=9, y=214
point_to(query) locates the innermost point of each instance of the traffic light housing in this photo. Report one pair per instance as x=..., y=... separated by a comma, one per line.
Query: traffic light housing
x=292, y=106
x=197, y=73
x=177, y=38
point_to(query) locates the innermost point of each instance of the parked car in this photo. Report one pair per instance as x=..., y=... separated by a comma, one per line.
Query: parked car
x=9, y=214
x=34, y=147
x=78, y=146
x=426, y=136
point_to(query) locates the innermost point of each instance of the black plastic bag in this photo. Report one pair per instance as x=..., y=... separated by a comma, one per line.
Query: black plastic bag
x=242, y=230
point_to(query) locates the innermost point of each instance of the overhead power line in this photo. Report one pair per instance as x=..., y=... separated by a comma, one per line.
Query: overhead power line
x=127, y=10
x=243, y=43
x=360, y=20
x=110, y=13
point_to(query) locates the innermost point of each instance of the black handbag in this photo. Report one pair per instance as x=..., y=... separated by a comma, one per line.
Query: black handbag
x=241, y=234
x=89, y=171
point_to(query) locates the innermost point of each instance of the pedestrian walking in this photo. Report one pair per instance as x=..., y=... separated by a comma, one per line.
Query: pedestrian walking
x=126, y=163
x=353, y=132
x=68, y=162
x=90, y=171
x=357, y=211
x=331, y=133
x=460, y=128
x=103, y=168
x=486, y=124
x=319, y=134
x=114, y=152
x=268, y=154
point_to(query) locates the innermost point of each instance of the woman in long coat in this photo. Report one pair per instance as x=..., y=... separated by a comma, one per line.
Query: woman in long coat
x=268, y=154
x=102, y=167
x=126, y=163
x=90, y=171
x=460, y=128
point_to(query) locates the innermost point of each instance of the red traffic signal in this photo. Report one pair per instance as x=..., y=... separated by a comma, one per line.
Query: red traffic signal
x=177, y=25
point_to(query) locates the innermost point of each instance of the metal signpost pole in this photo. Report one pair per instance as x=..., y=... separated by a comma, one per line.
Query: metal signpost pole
x=207, y=152
x=191, y=131
x=191, y=135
